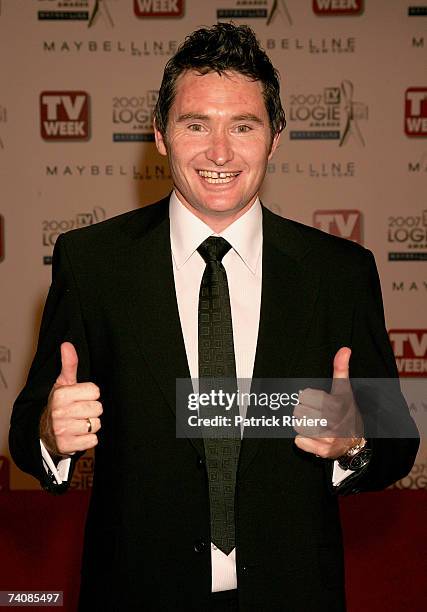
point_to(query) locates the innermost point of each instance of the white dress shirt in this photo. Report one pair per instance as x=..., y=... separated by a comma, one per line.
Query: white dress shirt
x=243, y=265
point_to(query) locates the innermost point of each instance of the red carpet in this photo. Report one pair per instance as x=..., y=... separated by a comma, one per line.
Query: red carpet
x=385, y=539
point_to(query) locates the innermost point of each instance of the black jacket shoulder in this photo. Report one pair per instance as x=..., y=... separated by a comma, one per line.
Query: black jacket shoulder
x=131, y=224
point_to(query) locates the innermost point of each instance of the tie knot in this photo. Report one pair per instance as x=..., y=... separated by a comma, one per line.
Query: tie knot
x=214, y=248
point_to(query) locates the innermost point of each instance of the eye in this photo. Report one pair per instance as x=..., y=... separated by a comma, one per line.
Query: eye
x=195, y=127
x=241, y=129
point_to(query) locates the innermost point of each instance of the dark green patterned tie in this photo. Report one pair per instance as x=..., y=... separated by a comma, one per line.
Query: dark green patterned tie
x=217, y=370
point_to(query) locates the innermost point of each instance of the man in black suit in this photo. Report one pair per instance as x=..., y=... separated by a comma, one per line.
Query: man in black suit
x=121, y=324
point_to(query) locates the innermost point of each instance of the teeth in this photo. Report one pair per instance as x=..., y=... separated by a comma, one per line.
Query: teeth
x=216, y=176
x=215, y=181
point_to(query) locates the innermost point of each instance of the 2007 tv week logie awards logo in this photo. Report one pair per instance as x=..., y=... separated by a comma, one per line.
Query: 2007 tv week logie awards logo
x=133, y=117
x=269, y=11
x=90, y=11
x=328, y=114
x=407, y=236
x=52, y=228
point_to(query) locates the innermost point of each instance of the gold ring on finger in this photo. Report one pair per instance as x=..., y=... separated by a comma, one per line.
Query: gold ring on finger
x=89, y=425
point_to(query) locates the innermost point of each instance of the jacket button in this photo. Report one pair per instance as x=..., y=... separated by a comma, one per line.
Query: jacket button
x=200, y=462
x=200, y=546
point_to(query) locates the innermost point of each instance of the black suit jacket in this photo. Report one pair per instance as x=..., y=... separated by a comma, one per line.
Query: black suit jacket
x=147, y=534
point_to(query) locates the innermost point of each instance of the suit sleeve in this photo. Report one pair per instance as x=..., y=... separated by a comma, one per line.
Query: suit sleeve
x=393, y=455
x=62, y=321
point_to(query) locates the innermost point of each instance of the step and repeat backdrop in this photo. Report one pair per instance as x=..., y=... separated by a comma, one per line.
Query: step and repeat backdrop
x=78, y=83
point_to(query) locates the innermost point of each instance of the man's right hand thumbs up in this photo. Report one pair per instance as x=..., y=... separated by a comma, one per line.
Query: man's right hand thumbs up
x=71, y=418
x=69, y=361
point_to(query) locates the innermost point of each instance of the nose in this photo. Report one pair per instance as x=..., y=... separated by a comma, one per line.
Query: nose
x=219, y=150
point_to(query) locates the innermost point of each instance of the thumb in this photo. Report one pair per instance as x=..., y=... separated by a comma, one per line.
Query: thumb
x=69, y=361
x=341, y=370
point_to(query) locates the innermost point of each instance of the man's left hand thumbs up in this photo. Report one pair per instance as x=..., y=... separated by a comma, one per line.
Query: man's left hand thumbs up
x=344, y=423
x=341, y=365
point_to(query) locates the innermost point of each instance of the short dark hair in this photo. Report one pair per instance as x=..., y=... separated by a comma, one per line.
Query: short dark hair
x=219, y=48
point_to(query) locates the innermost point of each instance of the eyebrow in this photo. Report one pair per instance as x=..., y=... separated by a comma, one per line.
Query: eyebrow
x=201, y=117
x=187, y=116
x=248, y=117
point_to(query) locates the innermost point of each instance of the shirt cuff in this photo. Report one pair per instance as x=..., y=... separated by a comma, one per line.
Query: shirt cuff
x=339, y=475
x=61, y=471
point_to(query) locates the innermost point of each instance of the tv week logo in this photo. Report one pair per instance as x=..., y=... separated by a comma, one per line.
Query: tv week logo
x=158, y=8
x=344, y=223
x=410, y=351
x=64, y=115
x=416, y=111
x=337, y=7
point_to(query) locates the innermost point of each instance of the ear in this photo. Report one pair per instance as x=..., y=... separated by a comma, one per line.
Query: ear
x=274, y=144
x=160, y=141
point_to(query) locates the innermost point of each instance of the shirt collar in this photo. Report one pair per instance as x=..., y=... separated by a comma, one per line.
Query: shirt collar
x=188, y=231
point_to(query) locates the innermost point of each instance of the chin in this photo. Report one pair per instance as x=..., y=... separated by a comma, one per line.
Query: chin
x=224, y=207
x=221, y=211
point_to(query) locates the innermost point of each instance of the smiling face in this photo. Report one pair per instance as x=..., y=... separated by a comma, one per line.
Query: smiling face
x=218, y=142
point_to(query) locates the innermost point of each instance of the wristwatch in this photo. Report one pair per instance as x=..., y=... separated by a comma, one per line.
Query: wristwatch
x=357, y=457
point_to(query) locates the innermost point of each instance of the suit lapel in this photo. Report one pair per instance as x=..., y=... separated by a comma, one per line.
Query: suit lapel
x=289, y=292
x=147, y=272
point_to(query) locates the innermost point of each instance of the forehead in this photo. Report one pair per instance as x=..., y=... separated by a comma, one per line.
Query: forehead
x=195, y=92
